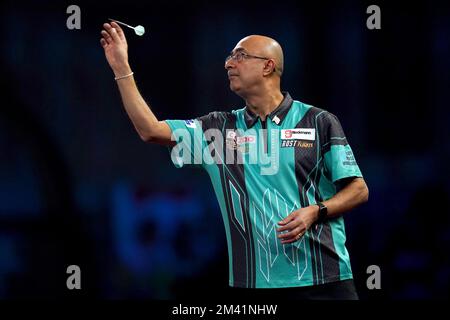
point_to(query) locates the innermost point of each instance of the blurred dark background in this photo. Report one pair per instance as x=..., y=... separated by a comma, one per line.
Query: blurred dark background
x=77, y=186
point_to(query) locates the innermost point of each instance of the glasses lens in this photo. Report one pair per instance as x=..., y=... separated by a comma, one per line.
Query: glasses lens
x=238, y=56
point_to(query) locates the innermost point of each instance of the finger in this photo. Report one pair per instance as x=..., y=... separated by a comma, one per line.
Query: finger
x=290, y=234
x=296, y=235
x=109, y=30
x=106, y=36
x=293, y=239
x=291, y=225
x=119, y=30
x=287, y=219
x=114, y=35
x=103, y=42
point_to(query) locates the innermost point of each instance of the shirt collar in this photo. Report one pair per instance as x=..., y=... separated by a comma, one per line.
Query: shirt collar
x=277, y=115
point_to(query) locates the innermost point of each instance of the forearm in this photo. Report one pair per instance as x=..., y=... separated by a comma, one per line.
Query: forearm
x=115, y=45
x=137, y=109
x=352, y=195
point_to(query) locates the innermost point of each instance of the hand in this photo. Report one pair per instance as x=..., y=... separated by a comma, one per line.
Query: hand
x=115, y=45
x=297, y=223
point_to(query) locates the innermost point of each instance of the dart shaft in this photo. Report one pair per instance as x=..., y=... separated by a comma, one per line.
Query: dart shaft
x=122, y=23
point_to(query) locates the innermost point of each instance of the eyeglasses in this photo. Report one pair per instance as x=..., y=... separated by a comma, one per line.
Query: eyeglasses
x=240, y=55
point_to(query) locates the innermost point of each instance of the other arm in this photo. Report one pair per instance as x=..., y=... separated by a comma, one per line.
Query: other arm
x=352, y=194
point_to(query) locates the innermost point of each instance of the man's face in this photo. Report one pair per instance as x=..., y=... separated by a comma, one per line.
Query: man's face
x=244, y=73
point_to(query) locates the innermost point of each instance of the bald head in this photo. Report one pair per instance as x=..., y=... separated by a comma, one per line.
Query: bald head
x=264, y=47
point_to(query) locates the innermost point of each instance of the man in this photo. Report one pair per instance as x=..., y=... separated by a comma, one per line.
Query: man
x=283, y=218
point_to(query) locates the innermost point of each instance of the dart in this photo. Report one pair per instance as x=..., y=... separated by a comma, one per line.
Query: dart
x=139, y=30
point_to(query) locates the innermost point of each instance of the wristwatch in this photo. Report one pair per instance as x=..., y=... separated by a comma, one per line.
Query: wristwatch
x=323, y=212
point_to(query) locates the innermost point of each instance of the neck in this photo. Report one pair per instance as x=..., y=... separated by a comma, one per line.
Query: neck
x=263, y=105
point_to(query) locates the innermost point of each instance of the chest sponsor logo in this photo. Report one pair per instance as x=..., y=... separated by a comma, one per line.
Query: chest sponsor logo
x=298, y=138
x=231, y=140
x=296, y=144
x=299, y=134
x=231, y=135
x=246, y=139
x=241, y=143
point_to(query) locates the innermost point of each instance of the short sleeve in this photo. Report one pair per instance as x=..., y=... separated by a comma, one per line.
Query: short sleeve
x=189, y=136
x=339, y=159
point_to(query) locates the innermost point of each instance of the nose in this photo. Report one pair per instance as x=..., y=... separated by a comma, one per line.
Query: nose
x=229, y=64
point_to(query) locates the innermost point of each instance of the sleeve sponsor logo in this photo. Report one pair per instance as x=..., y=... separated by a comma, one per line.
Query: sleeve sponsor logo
x=350, y=159
x=190, y=123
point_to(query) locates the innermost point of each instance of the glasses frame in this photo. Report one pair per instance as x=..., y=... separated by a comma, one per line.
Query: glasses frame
x=241, y=55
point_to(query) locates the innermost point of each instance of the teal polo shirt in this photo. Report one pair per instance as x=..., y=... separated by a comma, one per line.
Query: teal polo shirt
x=261, y=171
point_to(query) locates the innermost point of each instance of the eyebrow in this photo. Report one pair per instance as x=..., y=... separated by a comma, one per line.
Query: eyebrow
x=238, y=49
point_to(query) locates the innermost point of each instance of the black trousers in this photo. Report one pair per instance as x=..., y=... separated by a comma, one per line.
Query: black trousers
x=340, y=290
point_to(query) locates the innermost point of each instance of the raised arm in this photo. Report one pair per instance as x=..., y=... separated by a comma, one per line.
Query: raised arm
x=149, y=128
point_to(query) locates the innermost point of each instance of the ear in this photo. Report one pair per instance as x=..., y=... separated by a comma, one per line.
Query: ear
x=269, y=67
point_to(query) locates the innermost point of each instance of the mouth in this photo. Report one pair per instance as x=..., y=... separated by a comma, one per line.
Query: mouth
x=231, y=76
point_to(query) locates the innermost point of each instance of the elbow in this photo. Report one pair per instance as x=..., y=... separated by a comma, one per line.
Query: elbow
x=364, y=193
x=153, y=133
x=147, y=137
